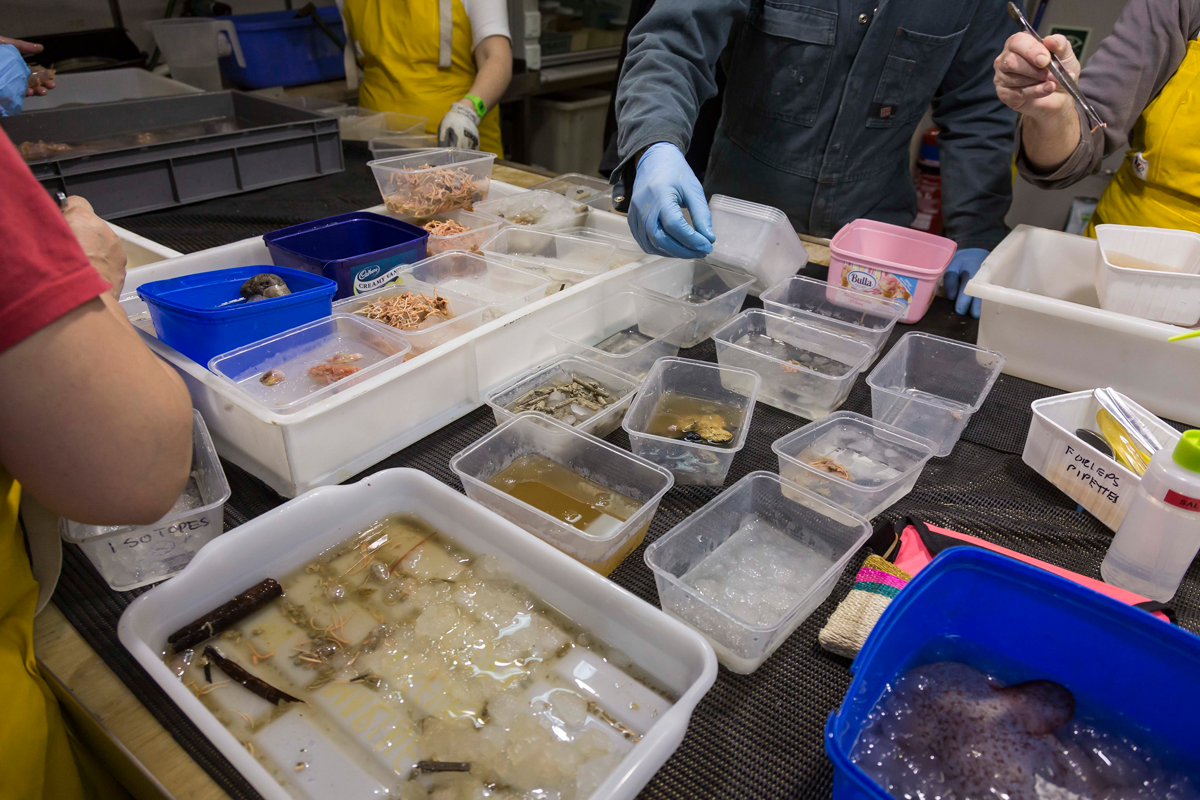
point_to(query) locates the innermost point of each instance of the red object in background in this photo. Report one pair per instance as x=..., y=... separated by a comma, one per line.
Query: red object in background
x=928, y=181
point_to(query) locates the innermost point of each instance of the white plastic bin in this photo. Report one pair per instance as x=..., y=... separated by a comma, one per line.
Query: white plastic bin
x=568, y=131
x=1040, y=309
x=130, y=556
x=1092, y=479
x=748, y=568
x=714, y=294
x=288, y=537
x=1165, y=296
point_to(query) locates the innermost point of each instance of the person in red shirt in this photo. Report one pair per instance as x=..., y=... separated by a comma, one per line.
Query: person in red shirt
x=92, y=425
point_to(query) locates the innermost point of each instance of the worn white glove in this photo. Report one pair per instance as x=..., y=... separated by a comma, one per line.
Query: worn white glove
x=459, y=128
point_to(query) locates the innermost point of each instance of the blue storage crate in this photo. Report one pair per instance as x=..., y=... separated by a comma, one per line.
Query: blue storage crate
x=361, y=251
x=188, y=314
x=281, y=50
x=1130, y=672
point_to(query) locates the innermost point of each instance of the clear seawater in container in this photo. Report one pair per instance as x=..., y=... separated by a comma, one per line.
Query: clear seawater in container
x=692, y=462
x=431, y=182
x=559, y=370
x=300, y=367
x=750, y=566
x=467, y=315
x=845, y=311
x=539, y=210
x=130, y=556
x=627, y=332
x=565, y=260
x=856, y=462
x=930, y=386
x=483, y=279
x=714, y=294
x=533, y=433
x=806, y=370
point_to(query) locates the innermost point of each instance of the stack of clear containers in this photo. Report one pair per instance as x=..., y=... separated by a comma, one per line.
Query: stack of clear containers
x=714, y=294
x=539, y=210
x=129, y=556
x=806, y=370
x=477, y=277
x=748, y=568
x=858, y=315
x=535, y=434
x=478, y=230
x=692, y=463
x=467, y=315
x=297, y=368
x=756, y=239
x=434, y=181
x=620, y=388
x=627, y=332
x=930, y=386
x=565, y=260
x=858, y=463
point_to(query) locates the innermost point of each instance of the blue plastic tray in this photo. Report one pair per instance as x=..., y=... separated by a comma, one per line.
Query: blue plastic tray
x=1130, y=672
x=188, y=315
x=361, y=251
x=281, y=50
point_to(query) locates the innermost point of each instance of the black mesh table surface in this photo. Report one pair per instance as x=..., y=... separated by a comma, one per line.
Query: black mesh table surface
x=752, y=737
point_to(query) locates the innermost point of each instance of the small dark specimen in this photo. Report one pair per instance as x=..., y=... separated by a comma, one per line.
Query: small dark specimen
x=207, y=671
x=443, y=766
x=263, y=285
x=225, y=615
x=256, y=685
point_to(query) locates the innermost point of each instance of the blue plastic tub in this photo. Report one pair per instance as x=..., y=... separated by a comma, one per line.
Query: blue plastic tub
x=361, y=251
x=281, y=50
x=1130, y=672
x=188, y=315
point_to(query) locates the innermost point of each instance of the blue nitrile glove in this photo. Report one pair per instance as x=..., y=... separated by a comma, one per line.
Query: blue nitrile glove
x=962, y=268
x=14, y=80
x=664, y=184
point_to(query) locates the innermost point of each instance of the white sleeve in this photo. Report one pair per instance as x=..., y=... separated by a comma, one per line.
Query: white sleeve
x=488, y=18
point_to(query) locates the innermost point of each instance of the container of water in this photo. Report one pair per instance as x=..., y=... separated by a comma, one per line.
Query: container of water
x=627, y=332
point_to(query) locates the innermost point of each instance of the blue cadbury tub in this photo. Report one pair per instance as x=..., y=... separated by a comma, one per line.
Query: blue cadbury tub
x=281, y=50
x=360, y=250
x=188, y=314
x=1130, y=672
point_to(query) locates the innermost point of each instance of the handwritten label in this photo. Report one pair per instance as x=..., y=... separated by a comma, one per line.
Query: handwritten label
x=1094, y=475
x=157, y=538
x=1178, y=500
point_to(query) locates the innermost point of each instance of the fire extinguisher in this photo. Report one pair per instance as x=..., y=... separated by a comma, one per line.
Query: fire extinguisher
x=928, y=181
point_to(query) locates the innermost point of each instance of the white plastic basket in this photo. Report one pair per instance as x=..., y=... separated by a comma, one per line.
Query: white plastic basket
x=1165, y=296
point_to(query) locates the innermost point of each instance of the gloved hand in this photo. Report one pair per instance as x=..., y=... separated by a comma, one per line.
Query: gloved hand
x=14, y=80
x=459, y=128
x=962, y=268
x=664, y=184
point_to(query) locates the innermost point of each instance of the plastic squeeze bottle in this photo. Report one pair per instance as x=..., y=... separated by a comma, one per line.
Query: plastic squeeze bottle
x=1160, y=535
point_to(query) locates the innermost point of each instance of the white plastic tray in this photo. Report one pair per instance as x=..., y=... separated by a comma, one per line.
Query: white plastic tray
x=139, y=250
x=293, y=534
x=1083, y=473
x=334, y=440
x=1041, y=311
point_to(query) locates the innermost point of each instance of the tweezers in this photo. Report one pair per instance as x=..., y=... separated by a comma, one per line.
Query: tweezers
x=1059, y=71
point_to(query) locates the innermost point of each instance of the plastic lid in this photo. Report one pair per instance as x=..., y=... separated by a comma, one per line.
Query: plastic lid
x=1187, y=451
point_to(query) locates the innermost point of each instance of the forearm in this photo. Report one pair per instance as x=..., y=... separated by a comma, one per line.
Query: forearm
x=493, y=62
x=1049, y=141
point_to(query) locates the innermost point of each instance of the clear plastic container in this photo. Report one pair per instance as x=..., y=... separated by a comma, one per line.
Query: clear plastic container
x=713, y=293
x=275, y=373
x=856, y=462
x=537, y=211
x=620, y=387
x=477, y=277
x=361, y=124
x=405, y=144
x=468, y=315
x=628, y=250
x=1149, y=273
x=478, y=230
x=434, y=181
x=129, y=556
x=756, y=239
x=845, y=311
x=532, y=433
x=931, y=386
x=565, y=260
x=692, y=462
x=575, y=186
x=627, y=332
x=749, y=567
x=807, y=370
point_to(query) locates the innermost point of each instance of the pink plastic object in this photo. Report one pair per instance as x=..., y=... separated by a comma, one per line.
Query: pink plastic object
x=890, y=261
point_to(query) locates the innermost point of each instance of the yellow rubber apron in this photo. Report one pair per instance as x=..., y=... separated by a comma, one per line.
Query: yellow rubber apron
x=1158, y=184
x=417, y=58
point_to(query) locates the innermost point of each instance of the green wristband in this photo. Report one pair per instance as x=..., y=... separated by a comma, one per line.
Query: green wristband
x=477, y=101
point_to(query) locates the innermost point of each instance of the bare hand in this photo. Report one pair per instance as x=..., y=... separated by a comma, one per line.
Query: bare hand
x=1023, y=82
x=98, y=241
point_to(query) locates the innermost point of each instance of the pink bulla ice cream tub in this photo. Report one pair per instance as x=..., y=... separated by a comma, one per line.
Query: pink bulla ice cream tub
x=889, y=261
